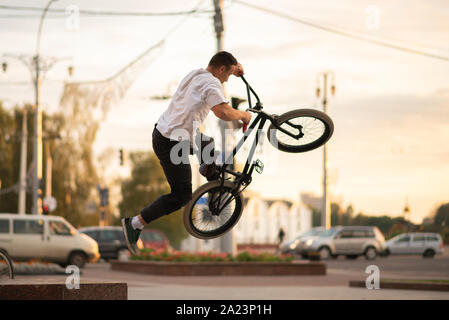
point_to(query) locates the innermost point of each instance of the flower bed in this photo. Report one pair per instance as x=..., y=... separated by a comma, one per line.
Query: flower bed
x=180, y=256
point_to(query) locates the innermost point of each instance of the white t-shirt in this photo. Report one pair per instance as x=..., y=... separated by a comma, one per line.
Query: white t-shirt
x=197, y=93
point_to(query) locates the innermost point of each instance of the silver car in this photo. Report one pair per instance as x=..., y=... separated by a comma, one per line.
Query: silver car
x=294, y=246
x=351, y=241
x=425, y=244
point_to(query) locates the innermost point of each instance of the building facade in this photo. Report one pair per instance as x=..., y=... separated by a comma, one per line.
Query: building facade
x=260, y=223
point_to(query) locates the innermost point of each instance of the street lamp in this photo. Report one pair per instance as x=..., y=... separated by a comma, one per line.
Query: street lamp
x=37, y=192
x=326, y=211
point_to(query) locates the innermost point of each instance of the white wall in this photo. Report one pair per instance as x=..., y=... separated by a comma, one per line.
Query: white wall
x=260, y=224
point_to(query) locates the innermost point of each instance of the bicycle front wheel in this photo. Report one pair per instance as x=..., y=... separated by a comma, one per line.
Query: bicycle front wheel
x=213, y=210
x=6, y=267
x=304, y=130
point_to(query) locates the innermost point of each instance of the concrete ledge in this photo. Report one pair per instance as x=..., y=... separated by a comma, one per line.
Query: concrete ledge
x=404, y=285
x=41, y=290
x=220, y=268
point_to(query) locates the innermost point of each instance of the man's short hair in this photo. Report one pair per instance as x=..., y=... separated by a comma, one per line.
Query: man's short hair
x=223, y=58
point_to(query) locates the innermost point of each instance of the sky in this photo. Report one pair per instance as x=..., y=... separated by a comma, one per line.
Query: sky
x=390, y=110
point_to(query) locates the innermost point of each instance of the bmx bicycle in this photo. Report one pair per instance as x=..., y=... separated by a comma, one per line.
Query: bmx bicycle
x=216, y=206
x=6, y=267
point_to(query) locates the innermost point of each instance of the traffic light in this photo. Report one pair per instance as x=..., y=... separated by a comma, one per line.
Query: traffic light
x=104, y=197
x=45, y=210
x=122, y=157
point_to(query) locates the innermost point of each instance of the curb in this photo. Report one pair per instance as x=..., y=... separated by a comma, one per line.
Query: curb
x=220, y=268
x=404, y=285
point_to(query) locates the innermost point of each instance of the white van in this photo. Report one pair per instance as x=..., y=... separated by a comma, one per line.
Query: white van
x=48, y=238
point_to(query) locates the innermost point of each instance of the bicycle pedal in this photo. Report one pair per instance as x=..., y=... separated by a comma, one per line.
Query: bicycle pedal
x=259, y=166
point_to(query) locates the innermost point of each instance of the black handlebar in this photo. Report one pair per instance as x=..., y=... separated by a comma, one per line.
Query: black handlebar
x=258, y=105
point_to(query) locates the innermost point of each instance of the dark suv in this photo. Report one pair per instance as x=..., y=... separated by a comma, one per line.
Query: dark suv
x=111, y=241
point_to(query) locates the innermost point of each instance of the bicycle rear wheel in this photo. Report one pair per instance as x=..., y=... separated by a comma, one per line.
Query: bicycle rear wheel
x=213, y=210
x=310, y=129
x=6, y=267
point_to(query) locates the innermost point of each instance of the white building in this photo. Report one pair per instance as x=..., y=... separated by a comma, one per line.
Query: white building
x=260, y=223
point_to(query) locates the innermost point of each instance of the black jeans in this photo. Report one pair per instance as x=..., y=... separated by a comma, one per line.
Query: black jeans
x=179, y=177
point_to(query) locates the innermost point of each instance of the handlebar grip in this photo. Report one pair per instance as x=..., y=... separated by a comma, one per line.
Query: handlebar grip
x=245, y=127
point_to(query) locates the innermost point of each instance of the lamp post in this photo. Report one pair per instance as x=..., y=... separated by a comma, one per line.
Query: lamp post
x=38, y=68
x=37, y=192
x=326, y=211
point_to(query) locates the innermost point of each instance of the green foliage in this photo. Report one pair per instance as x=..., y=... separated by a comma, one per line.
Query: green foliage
x=180, y=256
x=146, y=184
x=10, y=138
x=316, y=217
x=73, y=172
x=441, y=217
x=389, y=226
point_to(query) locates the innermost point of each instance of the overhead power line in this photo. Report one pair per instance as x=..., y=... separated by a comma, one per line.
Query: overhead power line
x=344, y=33
x=109, y=13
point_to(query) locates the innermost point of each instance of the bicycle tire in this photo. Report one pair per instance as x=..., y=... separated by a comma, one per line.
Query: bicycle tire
x=328, y=129
x=6, y=266
x=212, y=186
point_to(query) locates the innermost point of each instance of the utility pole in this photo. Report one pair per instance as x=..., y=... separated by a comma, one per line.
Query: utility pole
x=23, y=164
x=227, y=243
x=326, y=207
x=38, y=67
x=37, y=191
x=48, y=170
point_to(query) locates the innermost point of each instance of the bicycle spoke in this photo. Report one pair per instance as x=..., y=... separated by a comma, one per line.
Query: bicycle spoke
x=203, y=219
x=312, y=130
x=6, y=271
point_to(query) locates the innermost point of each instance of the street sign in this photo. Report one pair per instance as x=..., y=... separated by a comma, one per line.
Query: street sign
x=51, y=203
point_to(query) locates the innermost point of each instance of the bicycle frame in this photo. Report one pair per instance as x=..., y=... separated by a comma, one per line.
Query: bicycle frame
x=261, y=118
x=244, y=178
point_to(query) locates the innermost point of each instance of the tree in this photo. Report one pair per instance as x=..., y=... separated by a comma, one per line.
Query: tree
x=387, y=225
x=336, y=215
x=73, y=173
x=346, y=216
x=441, y=217
x=10, y=148
x=316, y=217
x=146, y=184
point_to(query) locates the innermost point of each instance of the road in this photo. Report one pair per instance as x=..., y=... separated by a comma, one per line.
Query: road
x=332, y=286
x=415, y=267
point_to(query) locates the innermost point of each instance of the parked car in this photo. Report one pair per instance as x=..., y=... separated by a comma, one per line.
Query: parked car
x=294, y=246
x=425, y=244
x=152, y=238
x=48, y=238
x=111, y=241
x=351, y=241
